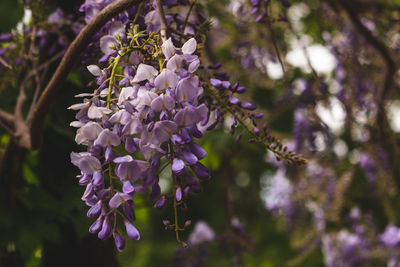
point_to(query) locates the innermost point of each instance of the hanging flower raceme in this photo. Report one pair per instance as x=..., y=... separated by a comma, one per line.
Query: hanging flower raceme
x=145, y=117
x=135, y=131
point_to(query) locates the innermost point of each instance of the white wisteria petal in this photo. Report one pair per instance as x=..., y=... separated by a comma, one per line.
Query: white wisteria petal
x=166, y=79
x=125, y=94
x=189, y=47
x=104, y=92
x=144, y=72
x=121, y=116
x=84, y=95
x=79, y=106
x=76, y=124
x=175, y=62
x=168, y=48
x=116, y=28
x=95, y=112
x=108, y=44
x=94, y=70
x=88, y=132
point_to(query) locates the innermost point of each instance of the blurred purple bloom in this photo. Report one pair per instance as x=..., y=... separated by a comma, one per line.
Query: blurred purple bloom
x=202, y=233
x=391, y=236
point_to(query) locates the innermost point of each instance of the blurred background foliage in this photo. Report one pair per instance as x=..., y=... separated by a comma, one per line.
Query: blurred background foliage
x=43, y=221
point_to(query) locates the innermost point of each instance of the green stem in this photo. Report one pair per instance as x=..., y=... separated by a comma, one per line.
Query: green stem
x=187, y=17
x=162, y=168
x=116, y=62
x=176, y=215
x=161, y=63
x=138, y=12
x=110, y=177
x=248, y=127
x=188, y=14
x=176, y=223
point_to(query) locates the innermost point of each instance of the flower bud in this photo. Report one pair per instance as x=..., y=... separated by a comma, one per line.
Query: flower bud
x=96, y=226
x=160, y=203
x=94, y=211
x=119, y=241
x=131, y=230
x=105, y=232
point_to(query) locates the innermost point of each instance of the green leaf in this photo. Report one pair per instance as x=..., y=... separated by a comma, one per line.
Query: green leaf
x=30, y=176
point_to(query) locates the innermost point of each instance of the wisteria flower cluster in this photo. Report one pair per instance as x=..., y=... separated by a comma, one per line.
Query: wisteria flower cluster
x=133, y=131
x=152, y=102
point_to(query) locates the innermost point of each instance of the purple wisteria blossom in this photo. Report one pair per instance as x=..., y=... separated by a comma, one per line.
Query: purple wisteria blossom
x=391, y=236
x=156, y=114
x=202, y=233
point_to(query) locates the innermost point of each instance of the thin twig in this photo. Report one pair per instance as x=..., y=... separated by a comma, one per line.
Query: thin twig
x=72, y=54
x=381, y=117
x=278, y=54
x=174, y=180
x=180, y=34
x=305, y=51
x=32, y=44
x=18, y=114
x=380, y=47
x=188, y=14
x=47, y=63
x=4, y=63
x=44, y=66
x=6, y=128
x=138, y=13
x=36, y=76
x=163, y=21
x=6, y=118
x=38, y=85
x=7, y=152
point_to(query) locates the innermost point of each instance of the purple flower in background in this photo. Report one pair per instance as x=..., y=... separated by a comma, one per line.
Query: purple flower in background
x=391, y=236
x=201, y=233
x=6, y=37
x=343, y=249
x=278, y=192
x=56, y=17
x=201, y=171
x=349, y=242
x=367, y=163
